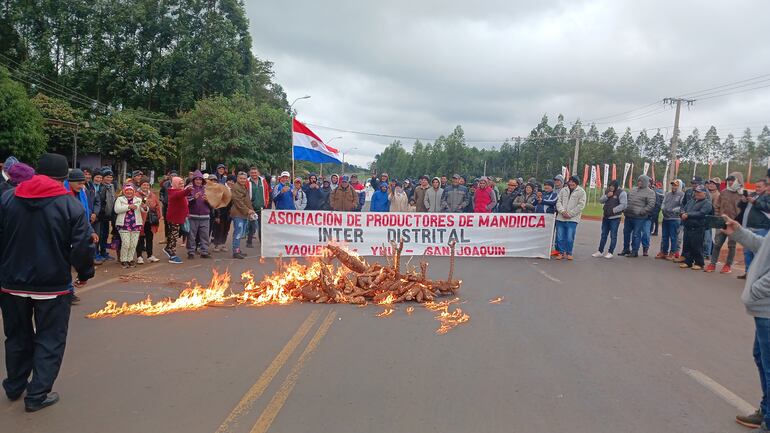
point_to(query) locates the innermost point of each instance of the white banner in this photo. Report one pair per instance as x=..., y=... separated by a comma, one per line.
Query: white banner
x=606, y=174
x=625, y=175
x=305, y=233
x=592, y=184
x=646, y=168
x=564, y=171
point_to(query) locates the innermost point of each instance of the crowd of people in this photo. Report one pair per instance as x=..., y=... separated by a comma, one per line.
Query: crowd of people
x=687, y=235
x=53, y=219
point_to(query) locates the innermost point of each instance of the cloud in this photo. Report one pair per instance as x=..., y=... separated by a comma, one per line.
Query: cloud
x=419, y=68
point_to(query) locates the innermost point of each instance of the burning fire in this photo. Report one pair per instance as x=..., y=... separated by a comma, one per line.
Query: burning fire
x=352, y=281
x=194, y=297
x=497, y=300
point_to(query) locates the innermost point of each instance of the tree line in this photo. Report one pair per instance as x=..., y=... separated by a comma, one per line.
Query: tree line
x=154, y=83
x=549, y=147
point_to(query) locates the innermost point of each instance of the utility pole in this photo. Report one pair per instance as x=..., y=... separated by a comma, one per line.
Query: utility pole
x=675, y=136
x=577, y=153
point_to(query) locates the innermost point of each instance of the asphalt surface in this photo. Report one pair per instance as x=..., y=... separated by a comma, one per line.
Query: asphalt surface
x=593, y=345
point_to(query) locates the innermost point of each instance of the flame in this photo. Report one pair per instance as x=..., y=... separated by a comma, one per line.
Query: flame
x=276, y=288
x=194, y=297
x=497, y=300
x=439, y=306
x=449, y=320
x=409, y=310
x=386, y=312
x=388, y=300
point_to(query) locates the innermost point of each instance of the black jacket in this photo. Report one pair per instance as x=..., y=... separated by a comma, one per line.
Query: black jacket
x=43, y=232
x=696, y=211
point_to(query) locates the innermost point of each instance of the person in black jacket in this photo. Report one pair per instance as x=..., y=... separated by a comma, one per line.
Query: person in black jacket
x=694, y=222
x=44, y=232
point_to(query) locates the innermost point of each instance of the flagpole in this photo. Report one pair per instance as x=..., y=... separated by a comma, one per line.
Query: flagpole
x=291, y=132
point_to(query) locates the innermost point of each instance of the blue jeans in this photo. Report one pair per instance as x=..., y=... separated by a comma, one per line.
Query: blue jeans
x=240, y=225
x=632, y=233
x=762, y=359
x=565, y=232
x=748, y=255
x=609, y=226
x=646, y=227
x=708, y=243
x=669, y=240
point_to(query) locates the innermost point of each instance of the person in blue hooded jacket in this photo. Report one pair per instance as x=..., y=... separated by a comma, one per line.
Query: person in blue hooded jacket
x=283, y=196
x=380, y=199
x=315, y=197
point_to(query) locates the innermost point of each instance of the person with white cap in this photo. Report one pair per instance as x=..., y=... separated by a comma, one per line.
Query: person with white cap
x=283, y=194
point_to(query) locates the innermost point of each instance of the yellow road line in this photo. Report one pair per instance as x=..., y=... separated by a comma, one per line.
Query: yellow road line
x=274, y=407
x=267, y=376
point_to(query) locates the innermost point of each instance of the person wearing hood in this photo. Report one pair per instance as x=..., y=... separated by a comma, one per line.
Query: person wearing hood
x=614, y=202
x=399, y=201
x=545, y=200
x=420, y=192
x=326, y=193
x=315, y=198
x=569, y=208
x=484, y=197
x=283, y=195
x=380, y=199
x=694, y=222
x=672, y=208
x=712, y=189
x=199, y=218
x=360, y=190
x=525, y=202
x=335, y=181
x=44, y=233
x=300, y=199
x=558, y=183
x=727, y=205
x=641, y=201
x=107, y=197
x=221, y=174
x=432, y=196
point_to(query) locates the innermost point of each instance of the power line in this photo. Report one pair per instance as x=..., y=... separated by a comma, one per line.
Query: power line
x=690, y=94
x=622, y=113
x=734, y=93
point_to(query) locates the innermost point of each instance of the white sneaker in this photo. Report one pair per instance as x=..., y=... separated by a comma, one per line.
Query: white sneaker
x=597, y=254
x=153, y=259
x=139, y=261
x=608, y=256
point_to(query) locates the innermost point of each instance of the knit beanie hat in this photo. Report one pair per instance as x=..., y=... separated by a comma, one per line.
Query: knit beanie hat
x=53, y=165
x=19, y=172
x=76, y=175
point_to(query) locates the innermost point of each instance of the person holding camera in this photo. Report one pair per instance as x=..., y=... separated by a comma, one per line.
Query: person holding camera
x=756, y=299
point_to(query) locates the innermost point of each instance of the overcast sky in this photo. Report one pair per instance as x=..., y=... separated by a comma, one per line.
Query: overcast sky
x=419, y=68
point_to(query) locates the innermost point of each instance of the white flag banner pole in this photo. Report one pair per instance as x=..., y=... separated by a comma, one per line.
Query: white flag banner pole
x=727, y=168
x=625, y=174
x=646, y=168
x=564, y=173
x=666, y=186
x=593, y=176
x=606, y=174
x=694, y=168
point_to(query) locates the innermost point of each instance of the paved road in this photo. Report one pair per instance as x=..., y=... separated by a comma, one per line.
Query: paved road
x=625, y=345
